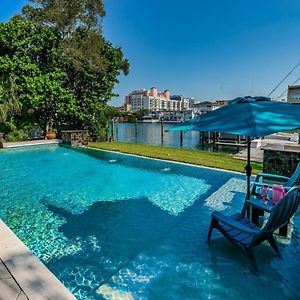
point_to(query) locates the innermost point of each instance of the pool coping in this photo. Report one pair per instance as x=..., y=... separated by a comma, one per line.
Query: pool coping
x=34, y=279
x=165, y=160
x=10, y=145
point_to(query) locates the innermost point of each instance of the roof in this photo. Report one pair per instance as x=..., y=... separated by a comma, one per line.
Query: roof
x=203, y=103
x=294, y=87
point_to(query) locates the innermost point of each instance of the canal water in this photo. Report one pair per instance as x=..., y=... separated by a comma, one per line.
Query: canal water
x=151, y=133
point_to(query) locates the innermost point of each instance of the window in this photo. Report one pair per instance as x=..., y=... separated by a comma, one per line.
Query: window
x=295, y=97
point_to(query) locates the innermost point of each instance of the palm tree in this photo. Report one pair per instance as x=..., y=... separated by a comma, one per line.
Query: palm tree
x=9, y=103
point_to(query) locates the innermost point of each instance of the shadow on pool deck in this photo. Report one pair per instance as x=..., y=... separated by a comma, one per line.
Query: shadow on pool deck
x=9, y=288
x=33, y=281
x=24, y=276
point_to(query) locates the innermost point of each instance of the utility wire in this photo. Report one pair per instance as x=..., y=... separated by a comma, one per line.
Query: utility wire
x=284, y=78
x=287, y=89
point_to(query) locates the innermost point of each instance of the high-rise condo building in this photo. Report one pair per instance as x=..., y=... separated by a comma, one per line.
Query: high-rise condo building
x=153, y=100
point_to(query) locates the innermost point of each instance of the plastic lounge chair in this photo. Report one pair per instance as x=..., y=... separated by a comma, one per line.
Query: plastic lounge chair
x=287, y=182
x=244, y=234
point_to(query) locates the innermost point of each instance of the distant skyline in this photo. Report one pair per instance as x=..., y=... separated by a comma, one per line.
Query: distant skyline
x=202, y=49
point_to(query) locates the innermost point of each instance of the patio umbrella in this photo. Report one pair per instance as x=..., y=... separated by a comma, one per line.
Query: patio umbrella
x=248, y=116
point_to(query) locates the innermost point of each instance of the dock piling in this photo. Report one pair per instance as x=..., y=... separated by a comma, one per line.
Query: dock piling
x=117, y=131
x=202, y=138
x=181, y=138
x=136, y=132
x=214, y=140
x=162, y=130
x=112, y=130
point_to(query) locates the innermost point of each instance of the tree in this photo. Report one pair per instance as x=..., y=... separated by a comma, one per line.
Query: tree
x=31, y=73
x=91, y=63
x=56, y=68
x=9, y=103
x=66, y=15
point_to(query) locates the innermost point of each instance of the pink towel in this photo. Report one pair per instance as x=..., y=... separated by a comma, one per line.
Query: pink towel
x=278, y=193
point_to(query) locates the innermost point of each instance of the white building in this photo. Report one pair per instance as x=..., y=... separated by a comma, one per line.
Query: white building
x=177, y=116
x=201, y=108
x=153, y=100
x=185, y=102
x=169, y=115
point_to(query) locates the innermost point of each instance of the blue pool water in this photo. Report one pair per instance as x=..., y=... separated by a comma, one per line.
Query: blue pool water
x=113, y=226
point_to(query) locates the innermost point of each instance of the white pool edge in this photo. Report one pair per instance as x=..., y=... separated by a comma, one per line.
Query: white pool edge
x=10, y=145
x=34, y=278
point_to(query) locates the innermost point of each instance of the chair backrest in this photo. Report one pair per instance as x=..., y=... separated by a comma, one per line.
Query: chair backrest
x=283, y=210
x=294, y=178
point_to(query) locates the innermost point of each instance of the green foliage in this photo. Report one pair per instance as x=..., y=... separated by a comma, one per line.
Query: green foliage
x=22, y=132
x=29, y=55
x=16, y=136
x=133, y=117
x=9, y=103
x=67, y=16
x=56, y=68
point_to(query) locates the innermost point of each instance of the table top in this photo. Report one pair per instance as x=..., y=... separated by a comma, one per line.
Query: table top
x=259, y=203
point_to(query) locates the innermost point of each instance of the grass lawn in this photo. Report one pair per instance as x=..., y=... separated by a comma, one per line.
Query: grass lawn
x=196, y=157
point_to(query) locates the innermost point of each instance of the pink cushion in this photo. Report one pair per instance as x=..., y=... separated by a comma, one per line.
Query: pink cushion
x=278, y=193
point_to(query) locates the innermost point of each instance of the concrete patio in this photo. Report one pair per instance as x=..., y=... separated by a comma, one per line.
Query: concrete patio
x=23, y=275
x=257, y=153
x=9, y=288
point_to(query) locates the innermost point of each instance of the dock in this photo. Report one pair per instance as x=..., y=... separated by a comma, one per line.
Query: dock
x=224, y=143
x=257, y=153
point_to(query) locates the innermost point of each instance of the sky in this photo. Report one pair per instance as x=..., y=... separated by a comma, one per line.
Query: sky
x=217, y=49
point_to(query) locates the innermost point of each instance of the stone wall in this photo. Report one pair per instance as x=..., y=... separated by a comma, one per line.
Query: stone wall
x=280, y=162
x=75, y=137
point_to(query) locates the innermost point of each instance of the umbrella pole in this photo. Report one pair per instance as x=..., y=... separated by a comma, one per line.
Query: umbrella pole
x=248, y=167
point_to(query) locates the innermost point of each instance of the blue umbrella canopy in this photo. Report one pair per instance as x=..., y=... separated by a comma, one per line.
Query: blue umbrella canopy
x=249, y=116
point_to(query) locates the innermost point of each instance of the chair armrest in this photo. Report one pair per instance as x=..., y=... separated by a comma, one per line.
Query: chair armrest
x=258, y=203
x=233, y=223
x=272, y=176
x=261, y=184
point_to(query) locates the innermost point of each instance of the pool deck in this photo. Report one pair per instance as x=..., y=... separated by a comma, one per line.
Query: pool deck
x=23, y=275
x=257, y=154
x=30, y=143
x=8, y=286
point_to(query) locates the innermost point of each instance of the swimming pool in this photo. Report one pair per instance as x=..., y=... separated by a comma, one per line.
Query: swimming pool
x=112, y=225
